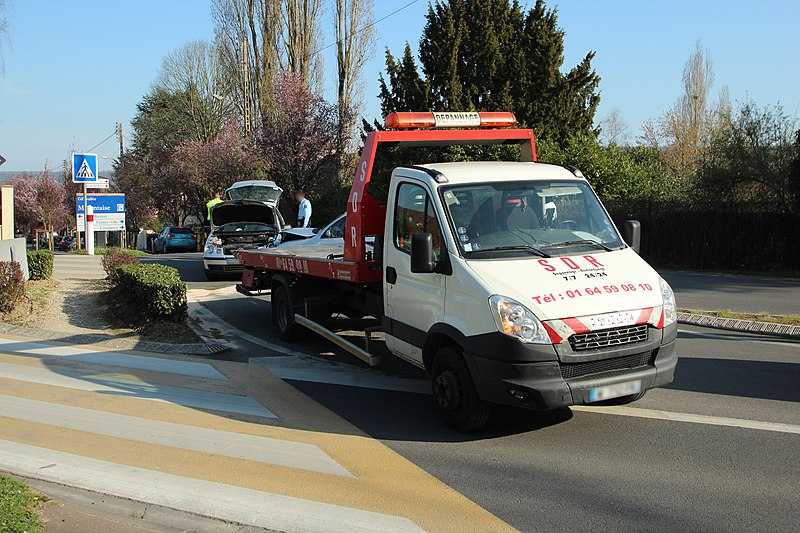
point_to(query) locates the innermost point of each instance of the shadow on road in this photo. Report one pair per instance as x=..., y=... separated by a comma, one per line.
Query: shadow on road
x=404, y=416
x=729, y=377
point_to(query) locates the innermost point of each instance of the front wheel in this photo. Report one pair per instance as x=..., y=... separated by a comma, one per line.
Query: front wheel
x=459, y=404
x=283, y=313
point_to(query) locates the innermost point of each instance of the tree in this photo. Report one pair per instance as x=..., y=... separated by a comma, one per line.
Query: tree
x=193, y=74
x=204, y=167
x=133, y=179
x=299, y=138
x=40, y=200
x=354, y=34
x=300, y=38
x=161, y=122
x=5, y=29
x=493, y=55
x=753, y=159
x=614, y=129
x=682, y=133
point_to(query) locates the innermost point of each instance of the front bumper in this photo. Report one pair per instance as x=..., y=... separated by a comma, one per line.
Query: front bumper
x=222, y=265
x=543, y=385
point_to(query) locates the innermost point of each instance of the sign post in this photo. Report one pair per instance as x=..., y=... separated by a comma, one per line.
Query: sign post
x=84, y=170
x=89, y=229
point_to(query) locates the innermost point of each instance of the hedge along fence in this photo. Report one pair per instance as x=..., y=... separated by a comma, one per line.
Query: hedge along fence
x=40, y=264
x=713, y=235
x=156, y=290
x=12, y=285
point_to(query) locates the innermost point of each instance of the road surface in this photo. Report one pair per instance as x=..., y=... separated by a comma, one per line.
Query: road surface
x=717, y=450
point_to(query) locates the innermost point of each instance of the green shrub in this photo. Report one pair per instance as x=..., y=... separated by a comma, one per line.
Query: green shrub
x=40, y=264
x=156, y=290
x=12, y=285
x=115, y=257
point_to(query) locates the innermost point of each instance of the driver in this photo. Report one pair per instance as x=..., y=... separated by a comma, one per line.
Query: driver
x=550, y=214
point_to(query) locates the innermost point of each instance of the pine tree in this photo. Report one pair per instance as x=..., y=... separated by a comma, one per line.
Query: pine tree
x=493, y=55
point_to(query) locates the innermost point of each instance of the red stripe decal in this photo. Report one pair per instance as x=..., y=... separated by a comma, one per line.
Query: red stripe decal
x=576, y=325
x=644, y=317
x=661, y=321
x=555, y=338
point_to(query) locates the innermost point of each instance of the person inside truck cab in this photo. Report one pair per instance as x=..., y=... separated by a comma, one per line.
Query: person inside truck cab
x=550, y=214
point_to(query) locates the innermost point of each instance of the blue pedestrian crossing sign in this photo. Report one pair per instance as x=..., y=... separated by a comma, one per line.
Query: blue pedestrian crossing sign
x=84, y=168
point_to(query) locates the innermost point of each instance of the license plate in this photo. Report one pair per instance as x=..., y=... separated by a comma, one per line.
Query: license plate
x=598, y=394
x=610, y=320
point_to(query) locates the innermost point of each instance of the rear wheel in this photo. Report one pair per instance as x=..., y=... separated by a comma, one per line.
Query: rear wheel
x=459, y=404
x=283, y=313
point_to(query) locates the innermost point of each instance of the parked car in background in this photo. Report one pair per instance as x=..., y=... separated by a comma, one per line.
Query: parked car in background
x=175, y=239
x=247, y=219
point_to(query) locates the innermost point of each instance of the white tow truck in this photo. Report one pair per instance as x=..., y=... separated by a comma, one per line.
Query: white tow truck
x=507, y=282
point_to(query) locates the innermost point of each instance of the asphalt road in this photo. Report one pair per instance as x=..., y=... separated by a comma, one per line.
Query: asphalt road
x=778, y=296
x=715, y=451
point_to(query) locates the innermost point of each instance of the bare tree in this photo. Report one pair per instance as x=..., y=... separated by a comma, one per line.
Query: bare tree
x=682, y=132
x=5, y=30
x=194, y=73
x=248, y=33
x=614, y=129
x=301, y=38
x=354, y=36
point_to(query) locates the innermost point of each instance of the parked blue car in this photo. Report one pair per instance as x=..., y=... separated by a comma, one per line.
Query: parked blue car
x=175, y=239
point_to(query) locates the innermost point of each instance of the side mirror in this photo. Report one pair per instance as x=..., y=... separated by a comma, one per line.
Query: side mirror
x=422, y=253
x=632, y=233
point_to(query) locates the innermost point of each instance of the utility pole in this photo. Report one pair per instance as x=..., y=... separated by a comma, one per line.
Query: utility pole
x=244, y=52
x=119, y=133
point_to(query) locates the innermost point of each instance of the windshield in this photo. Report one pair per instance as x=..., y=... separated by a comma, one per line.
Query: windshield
x=260, y=193
x=520, y=217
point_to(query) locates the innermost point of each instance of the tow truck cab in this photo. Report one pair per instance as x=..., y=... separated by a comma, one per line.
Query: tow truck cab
x=507, y=281
x=517, y=270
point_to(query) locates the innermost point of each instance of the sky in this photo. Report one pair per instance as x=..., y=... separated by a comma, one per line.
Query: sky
x=73, y=68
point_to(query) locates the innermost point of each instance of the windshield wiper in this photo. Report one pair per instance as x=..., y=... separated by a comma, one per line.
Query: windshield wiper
x=523, y=247
x=586, y=241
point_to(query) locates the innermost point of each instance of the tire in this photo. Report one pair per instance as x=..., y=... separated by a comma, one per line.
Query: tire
x=283, y=313
x=454, y=391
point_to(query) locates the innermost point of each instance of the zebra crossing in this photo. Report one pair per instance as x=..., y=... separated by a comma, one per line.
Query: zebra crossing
x=218, y=439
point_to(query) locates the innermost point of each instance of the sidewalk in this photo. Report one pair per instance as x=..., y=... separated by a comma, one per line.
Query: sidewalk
x=74, y=266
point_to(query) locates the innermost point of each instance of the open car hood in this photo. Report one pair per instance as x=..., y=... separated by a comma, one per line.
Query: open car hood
x=260, y=190
x=242, y=211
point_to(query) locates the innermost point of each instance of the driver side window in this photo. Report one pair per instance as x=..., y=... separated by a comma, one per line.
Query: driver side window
x=414, y=213
x=336, y=231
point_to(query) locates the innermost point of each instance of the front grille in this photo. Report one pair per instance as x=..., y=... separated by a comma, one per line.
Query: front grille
x=608, y=337
x=620, y=365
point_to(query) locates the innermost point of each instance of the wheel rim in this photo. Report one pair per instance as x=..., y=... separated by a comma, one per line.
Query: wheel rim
x=447, y=390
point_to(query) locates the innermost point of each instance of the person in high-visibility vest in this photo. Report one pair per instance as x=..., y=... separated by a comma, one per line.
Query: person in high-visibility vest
x=211, y=203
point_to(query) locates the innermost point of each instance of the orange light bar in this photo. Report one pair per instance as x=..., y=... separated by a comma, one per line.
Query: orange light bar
x=468, y=119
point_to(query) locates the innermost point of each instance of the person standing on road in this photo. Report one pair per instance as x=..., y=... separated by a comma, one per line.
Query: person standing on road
x=211, y=203
x=303, y=209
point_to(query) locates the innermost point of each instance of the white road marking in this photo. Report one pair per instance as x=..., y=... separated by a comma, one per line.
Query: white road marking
x=688, y=417
x=141, y=362
x=117, y=385
x=249, y=447
x=204, y=498
x=315, y=371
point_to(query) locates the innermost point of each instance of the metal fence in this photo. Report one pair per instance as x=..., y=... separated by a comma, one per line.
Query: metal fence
x=708, y=235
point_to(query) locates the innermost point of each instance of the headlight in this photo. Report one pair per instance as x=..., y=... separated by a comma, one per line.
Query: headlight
x=668, y=301
x=516, y=320
x=213, y=249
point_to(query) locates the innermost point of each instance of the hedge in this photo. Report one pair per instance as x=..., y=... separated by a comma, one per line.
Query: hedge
x=40, y=264
x=116, y=257
x=156, y=290
x=12, y=285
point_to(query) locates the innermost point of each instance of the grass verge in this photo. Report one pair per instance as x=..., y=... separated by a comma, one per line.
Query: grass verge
x=791, y=320
x=19, y=507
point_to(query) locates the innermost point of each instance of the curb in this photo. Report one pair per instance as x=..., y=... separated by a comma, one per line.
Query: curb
x=736, y=324
x=205, y=348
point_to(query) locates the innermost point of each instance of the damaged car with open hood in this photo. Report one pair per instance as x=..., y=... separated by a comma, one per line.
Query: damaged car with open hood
x=247, y=219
